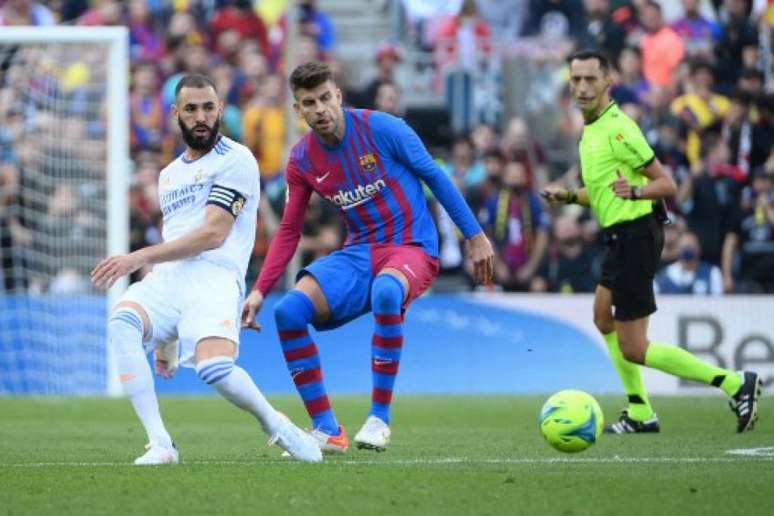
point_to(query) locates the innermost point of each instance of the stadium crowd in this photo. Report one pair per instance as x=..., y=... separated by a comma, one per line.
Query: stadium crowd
x=695, y=74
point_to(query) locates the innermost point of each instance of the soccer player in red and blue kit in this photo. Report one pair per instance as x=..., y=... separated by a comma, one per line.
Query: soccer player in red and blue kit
x=369, y=164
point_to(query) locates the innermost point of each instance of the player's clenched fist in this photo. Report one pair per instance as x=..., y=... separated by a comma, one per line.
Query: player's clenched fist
x=251, y=307
x=481, y=253
x=557, y=196
x=110, y=269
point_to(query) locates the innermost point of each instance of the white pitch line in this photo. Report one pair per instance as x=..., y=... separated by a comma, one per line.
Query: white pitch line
x=428, y=462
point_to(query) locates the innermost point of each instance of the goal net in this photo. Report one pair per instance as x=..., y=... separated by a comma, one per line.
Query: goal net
x=63, y=203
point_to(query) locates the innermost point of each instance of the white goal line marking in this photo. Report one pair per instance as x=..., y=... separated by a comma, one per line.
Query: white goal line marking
x=430, y=462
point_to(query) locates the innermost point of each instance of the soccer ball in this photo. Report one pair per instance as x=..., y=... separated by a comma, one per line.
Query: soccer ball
x=571, y=421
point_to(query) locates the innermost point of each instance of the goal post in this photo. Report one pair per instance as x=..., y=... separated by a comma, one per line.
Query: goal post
x=64, y=104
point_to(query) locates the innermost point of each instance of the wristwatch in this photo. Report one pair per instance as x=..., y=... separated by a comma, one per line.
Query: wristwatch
x=636, y=193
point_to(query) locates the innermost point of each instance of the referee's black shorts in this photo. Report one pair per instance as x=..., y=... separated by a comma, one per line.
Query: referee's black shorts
x=632, y=254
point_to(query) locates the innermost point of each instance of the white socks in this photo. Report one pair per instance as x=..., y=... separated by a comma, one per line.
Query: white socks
x=125, y=336
x=234, y=384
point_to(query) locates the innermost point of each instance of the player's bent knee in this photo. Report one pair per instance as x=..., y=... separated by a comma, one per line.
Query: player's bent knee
x=604, y=323
x=214, y=347
x=125, y=331
x=635, y=356
x=295, y=310
x=386, y=294
x=214, y=369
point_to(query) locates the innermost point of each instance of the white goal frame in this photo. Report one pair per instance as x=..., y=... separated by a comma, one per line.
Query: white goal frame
x=117, y=39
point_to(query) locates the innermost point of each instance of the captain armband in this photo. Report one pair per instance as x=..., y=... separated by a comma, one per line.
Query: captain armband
x=226, y=198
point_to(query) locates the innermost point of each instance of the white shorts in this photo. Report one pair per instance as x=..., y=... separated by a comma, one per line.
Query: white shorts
x=189, y=301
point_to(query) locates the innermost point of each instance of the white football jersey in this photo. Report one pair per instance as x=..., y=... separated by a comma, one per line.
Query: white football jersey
x=228, y=177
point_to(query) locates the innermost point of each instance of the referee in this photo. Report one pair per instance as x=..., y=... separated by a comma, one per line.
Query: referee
x=622, y=179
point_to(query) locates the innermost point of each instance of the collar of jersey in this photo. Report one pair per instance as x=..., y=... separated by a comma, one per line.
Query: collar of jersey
x=189, y=161
x=343, y=136
x=600, y=115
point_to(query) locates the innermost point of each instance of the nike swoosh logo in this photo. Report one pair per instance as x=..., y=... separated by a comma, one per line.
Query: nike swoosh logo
x=322, y=178
x=405, y=266
x=382, y=361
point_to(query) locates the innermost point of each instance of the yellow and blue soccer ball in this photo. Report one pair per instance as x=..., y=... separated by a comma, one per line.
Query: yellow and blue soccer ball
x=571, y=421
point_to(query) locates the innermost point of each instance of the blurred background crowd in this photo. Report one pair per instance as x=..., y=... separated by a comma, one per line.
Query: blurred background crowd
x=482, y=81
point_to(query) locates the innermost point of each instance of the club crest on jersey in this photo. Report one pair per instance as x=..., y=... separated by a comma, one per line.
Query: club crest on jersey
x=368, y=162
x=237, y=206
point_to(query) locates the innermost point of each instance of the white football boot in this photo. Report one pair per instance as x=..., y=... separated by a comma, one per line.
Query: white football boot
x=157, y=454
x=296, y=443
x=375, y=435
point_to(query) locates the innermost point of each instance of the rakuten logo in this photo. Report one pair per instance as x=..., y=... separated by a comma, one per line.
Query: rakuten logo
x=351, y=198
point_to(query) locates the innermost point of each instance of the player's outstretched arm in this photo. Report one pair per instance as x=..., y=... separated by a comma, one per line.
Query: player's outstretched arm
x=555, y=195
x=211, y=234
x=282, y=246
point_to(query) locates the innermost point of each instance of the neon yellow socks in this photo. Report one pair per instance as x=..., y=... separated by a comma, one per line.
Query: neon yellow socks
x=639, y=405
x=679, y=362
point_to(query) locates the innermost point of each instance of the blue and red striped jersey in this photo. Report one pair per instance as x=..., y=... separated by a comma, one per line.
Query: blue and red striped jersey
x=373, y=175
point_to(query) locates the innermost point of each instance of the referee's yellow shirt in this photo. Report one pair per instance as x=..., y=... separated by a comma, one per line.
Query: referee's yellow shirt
x=614, y=143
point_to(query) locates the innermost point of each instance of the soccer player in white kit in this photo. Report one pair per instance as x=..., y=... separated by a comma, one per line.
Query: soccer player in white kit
x=209, y=199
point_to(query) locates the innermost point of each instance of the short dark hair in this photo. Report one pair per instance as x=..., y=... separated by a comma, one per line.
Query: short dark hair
x=584, y=55
x=699, y=65
x=310, y=75
x=194, y=81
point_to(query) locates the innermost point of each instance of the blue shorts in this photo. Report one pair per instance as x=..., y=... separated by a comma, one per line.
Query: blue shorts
x=345, y=277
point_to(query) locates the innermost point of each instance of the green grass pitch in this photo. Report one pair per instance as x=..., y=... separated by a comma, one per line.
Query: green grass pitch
x=450, y=455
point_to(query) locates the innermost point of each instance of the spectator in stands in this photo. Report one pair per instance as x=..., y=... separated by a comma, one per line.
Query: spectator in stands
x=737, y=47
x=689, y=274
x=569, y=266
x=463, y=167
x=146, y=112
x=386, y=59
x=602, y=32
x=265, y=126
x=668, y=147
x=700, y=108
x=628, y=82
x=103, y=12
x=699, y=33
x=749, y=141
x=464, y=40
x=662, y=48
x=555, y=19
x=519, y=145
x=518, y=224
x=484, y=138
x=751, y=81
x=313, y=23
x=144, y=41
x=709, y=197
x=10, y=272
x=476, y=196
x=224, y=77
x=672, y=233
x=238, y=16
x=748, y=250
x=388, y=99
x=25, y=12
